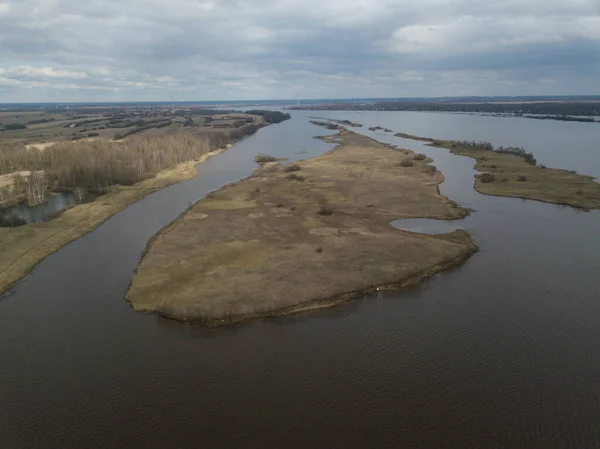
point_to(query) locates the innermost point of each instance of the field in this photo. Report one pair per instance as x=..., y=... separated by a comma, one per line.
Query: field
x=45, y=126
x=300, y=237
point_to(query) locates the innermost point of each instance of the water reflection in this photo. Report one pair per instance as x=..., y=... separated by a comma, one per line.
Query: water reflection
x=23, y=214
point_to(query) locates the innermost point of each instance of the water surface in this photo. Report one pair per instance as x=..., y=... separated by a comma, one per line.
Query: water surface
x=503, y=352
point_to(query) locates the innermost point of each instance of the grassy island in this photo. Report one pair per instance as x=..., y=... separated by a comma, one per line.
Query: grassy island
x=301, y=236
x=512, y=172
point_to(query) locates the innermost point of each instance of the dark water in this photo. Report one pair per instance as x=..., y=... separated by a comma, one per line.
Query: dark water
x=503, y=352
x=54, y=205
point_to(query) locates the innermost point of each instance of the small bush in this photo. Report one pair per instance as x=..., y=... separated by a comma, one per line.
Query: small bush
x=492, y=166
x=504, y=180
x=319, y=249
x=14, y=126
x=279, y=205
x=291, y=168
x=257, y=190
x=579, y=192
x=295, y=177
x=324, y=210
x=431, y=169
x=482, y=158
x=543, y=167
x=522, y=178
x=487, y=177
x=420, y=157
x=264, y=158
x=407, y=163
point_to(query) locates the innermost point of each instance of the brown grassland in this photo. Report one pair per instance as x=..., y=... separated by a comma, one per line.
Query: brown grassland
x=301, y=237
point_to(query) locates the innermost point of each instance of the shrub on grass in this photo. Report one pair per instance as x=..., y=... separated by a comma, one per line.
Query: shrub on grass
x=291, y=168
x=522, y=178
x=264, y=158
x=407, y=163
x=487, y=177
x=295, y=177
x=420, y=157
x=325, y=210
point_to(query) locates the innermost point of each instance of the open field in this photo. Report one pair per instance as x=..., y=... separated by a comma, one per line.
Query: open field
x=511, y=175
x=300, y=237
x=50, y=125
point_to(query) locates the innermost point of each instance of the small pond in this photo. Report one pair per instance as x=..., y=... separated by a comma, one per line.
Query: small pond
x=24, y=214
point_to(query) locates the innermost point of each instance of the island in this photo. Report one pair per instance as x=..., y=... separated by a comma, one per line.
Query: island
x=513, y=172
x=301, y=236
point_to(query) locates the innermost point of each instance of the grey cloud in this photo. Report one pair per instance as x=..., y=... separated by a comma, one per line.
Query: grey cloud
x=216, y=49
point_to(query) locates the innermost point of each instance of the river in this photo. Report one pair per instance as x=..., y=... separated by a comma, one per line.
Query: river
x=503, y=352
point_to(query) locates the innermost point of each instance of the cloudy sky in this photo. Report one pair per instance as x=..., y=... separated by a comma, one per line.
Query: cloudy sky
x=110, y=50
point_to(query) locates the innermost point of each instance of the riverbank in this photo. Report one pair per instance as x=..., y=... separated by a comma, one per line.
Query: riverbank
x=24, y=247
x=510, y=175
x=300, y=237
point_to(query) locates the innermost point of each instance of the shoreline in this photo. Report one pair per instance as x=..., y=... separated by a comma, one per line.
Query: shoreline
x=120, y=200
x=324, y=303
x=463, y=247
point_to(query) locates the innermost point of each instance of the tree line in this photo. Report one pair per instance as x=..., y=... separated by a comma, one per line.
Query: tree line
x=94, y=166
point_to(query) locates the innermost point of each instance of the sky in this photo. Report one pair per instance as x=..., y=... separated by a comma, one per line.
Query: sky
x=156, y=50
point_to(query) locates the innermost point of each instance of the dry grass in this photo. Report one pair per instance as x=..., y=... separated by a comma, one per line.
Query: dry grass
x=260, y=251
x=528, y=181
